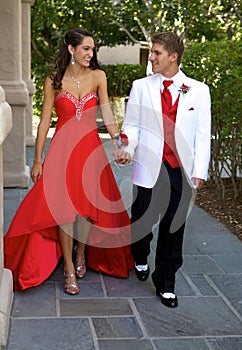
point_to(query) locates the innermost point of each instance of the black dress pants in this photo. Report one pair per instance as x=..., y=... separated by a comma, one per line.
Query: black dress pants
x=166, y=205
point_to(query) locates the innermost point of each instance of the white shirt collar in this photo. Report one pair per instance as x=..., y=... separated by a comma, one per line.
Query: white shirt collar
x=177, y=78
x=177, y=82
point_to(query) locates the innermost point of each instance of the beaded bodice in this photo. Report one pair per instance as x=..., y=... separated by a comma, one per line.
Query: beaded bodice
x=67, y=105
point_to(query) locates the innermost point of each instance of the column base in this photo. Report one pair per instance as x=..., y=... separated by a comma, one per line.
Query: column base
x=30, y=141
x=21, y=180
x=6, y=300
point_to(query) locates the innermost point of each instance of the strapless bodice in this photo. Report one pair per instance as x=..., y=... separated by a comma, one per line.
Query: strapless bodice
x=68, y=106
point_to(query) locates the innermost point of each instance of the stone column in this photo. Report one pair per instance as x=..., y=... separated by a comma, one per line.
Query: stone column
x=26, y=69
x=15, y=171
x=6, y=283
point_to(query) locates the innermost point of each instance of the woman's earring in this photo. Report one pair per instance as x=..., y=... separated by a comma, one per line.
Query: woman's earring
x=73, y=59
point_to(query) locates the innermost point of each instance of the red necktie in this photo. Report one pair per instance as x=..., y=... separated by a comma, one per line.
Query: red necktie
x=166, y=93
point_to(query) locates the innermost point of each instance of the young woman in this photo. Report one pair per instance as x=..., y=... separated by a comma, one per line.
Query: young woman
x=75, y=196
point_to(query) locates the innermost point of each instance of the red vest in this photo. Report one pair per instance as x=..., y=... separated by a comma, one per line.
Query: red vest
x=169, y=120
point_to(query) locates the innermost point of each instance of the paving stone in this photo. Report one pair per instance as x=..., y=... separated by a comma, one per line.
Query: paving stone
x=228, y=343
x=11, y=203
x=211, y=243
x=194, y=264
x=182, y=287
x=35, y=302
x=125, y=344
x=180, y=344
x=50, y=334
x=201, y=283
x=231, y=287
x=195, y=316
x=24, y=192
x=128, y=287
x=95, y=307
x=117, y=327
x=200, y=223
x=229, y=263
x=205, y=235
x=87, y=290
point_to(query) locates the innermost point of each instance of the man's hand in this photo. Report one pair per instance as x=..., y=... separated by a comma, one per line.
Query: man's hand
x=197, y=182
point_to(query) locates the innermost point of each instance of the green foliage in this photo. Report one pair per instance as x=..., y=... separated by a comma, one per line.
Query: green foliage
x=119, y=22
x=197, y=20
x=121, y=76
x=218, y=64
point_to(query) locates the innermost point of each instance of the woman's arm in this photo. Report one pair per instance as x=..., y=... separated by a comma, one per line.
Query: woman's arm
x=120, y=155
x=106, y=110
x=43, y=128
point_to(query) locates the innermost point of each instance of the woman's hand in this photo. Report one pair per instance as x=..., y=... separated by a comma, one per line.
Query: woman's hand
x=36, y=171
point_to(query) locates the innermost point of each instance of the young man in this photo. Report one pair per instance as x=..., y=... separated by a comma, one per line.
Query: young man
x=168, y=122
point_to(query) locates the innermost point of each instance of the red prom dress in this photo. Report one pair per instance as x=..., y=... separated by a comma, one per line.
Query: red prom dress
x=77, y=181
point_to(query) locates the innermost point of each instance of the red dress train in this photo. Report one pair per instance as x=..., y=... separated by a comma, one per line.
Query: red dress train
x=77, y=181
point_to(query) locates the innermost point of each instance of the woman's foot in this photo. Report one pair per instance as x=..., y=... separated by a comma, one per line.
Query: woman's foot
x=71, y=286
x=80, y=267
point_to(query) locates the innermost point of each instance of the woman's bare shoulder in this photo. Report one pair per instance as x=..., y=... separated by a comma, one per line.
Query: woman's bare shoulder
x=99, y=74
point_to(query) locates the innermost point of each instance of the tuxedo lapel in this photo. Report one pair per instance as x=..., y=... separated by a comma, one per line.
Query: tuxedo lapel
x=183, y=101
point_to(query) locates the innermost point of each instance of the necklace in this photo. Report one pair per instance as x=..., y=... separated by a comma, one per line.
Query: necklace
x=78, y=82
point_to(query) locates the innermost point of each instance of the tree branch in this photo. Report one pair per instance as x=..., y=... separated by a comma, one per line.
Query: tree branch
x=146, y=4
x=236, y=10
x=37, y=51
x=129, y=34
x=144, y=31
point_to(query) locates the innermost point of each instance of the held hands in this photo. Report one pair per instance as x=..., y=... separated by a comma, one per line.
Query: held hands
x=36, y=171
x=120, y=155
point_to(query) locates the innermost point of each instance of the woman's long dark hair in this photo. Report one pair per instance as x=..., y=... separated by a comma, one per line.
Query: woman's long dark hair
x=74, y=37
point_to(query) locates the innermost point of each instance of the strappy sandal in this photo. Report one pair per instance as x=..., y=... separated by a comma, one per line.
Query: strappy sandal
x=80, y=268
x=71, y=288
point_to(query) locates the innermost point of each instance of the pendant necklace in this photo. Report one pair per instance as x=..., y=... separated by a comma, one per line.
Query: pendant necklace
x=78, y=82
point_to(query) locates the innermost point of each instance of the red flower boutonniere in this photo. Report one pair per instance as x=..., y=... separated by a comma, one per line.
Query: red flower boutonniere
x=184, y=89
x=121, y=139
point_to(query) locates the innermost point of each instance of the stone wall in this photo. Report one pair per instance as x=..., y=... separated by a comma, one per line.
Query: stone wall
x=16, y=91
x=16, y=80
x=6, y=285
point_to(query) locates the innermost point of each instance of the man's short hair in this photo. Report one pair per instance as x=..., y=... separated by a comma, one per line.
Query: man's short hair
x=171, y=43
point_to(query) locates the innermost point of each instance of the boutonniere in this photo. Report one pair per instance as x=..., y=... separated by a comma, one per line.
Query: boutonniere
x=121, y=139
x=184, y=89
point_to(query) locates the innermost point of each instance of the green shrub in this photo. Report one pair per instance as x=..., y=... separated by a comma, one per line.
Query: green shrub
x=218, y=64
x=121, y=76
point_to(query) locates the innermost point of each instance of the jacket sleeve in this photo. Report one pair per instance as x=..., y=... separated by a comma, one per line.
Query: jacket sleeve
x=131, y=121
x=203, y=136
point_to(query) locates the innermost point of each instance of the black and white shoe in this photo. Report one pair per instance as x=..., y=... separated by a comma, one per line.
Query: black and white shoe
x=142, y=272
x=167, y=299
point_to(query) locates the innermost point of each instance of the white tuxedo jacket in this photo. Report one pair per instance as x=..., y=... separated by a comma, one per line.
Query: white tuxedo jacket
x=143, y=125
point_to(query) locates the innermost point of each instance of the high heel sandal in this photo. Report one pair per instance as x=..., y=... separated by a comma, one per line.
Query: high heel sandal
x=80, y=268
x=71, y=288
